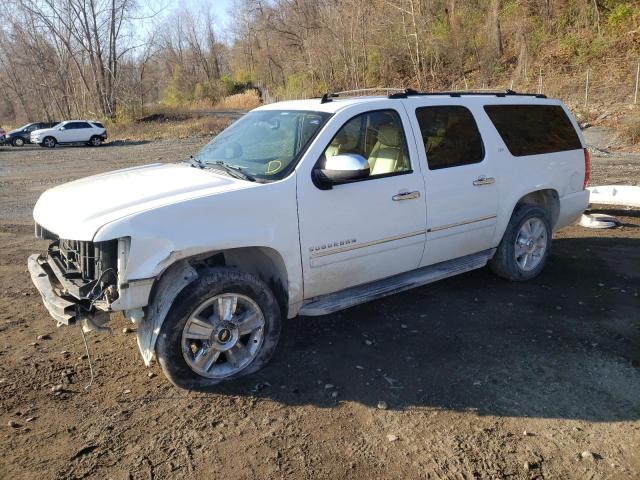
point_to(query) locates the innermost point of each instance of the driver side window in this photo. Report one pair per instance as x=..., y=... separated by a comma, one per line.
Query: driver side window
x=378, y=137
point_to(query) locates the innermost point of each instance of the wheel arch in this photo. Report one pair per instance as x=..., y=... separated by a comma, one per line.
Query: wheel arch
x=547, y=198
x=264, y=262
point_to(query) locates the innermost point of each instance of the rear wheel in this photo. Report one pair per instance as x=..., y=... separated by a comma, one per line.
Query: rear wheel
x=224, y=326
x=95, y=141
x=48, y=142
x=524, y=248
x=17, y=142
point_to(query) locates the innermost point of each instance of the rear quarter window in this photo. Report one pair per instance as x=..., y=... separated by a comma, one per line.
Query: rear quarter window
x=533, y=129
x=98, y=124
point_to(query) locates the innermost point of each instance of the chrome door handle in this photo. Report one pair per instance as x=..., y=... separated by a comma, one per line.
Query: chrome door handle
x=405, y=196
x=484, y=181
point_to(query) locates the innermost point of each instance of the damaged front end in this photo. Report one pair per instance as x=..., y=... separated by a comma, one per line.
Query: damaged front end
x=78, y=280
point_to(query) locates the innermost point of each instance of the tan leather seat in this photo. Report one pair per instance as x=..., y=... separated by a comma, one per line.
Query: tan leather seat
x=387, y=155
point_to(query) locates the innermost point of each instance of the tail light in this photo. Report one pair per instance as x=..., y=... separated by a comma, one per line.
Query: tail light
x=587, y=168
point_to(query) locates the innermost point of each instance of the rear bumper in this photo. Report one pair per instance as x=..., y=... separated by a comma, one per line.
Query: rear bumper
x=63, y=309
x=571, y=207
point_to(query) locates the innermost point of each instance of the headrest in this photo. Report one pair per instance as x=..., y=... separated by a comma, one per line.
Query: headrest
x=389, y=135
x=345, y=141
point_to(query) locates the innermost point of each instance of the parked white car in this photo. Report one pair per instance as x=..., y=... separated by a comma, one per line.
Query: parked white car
x=72, y=131
x=306, y=208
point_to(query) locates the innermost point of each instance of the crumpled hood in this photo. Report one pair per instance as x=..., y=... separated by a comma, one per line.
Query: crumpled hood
x=76, y=210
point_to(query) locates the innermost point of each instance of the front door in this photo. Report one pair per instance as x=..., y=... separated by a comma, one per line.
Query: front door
x=460, y=182
x=68, y=134
x=358, y=232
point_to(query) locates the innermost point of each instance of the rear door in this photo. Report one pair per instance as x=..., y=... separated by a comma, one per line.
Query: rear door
x=82, y=132
x=460, y=180
x=373, y=228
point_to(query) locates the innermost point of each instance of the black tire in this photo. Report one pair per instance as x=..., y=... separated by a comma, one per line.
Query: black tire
x=95, y=141
x=504, y=262
x=48, y=142
x=17, y=142
x=210, y=283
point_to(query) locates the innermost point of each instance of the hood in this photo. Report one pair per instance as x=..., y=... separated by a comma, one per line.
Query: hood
x=76, y=210
x=11, y=132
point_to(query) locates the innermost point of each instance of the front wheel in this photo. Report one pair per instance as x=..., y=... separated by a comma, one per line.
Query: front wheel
x=49, y=142
x=223, y=326
x=17, y=142
x=524, y=248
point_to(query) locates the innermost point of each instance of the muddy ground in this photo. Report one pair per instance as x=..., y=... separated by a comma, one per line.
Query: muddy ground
x=482, y=378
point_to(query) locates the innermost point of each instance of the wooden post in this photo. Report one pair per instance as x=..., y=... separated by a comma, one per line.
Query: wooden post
x=540, y=83
x=586, y=89
x=635, y=95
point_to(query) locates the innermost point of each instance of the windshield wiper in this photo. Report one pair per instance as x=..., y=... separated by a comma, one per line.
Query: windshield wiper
x=234, y=171
x=194, y=162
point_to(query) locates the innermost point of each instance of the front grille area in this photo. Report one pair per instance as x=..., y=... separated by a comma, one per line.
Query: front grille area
x=81, y=265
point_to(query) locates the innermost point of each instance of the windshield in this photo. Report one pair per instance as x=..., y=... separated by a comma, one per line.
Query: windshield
x=265, y=144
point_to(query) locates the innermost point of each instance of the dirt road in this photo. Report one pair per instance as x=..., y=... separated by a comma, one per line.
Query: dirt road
x=480, y=378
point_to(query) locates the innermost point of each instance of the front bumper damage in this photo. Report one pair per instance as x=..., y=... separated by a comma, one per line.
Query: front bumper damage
x=64, y=308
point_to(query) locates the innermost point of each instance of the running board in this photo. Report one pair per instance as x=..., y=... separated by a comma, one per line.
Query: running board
x=350, y=297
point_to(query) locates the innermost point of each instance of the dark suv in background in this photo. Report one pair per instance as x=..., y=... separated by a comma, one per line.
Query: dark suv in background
x=22, y=135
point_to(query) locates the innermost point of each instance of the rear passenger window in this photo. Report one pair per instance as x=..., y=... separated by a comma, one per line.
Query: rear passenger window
x=533, y=129
x=450, y=135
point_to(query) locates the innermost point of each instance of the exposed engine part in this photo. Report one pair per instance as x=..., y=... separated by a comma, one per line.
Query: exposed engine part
x=598, y=220
x=623, y=195
x=95, y=323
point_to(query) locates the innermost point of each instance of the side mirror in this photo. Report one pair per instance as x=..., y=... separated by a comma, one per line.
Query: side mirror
x=61, y=128
x=344, y=168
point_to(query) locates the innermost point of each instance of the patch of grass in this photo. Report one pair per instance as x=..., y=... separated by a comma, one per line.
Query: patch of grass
x=240, y=101
x=165, y=128
x=630, y=132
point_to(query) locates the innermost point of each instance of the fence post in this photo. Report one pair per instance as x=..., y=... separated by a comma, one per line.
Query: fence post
x=635, y=95
x=540, y=84
x=586, y=89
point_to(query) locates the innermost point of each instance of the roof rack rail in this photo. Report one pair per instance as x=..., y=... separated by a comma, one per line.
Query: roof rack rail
x=330, y=95
x=409, y=92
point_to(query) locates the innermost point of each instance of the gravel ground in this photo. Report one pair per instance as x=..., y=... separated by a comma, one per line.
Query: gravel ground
x=472, y=377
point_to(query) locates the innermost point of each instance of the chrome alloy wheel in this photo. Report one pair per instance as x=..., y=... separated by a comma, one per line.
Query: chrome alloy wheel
x=49, y=142
x=531, y=244
x=223, y=335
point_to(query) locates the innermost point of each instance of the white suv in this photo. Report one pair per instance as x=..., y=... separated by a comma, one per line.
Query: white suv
x=305, y=208
x=72, y=131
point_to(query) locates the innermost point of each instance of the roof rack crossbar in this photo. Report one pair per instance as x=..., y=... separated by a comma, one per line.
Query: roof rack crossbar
x=345, y=93
x=409, y=92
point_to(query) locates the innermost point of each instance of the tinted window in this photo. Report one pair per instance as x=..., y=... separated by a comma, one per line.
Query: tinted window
x=450, y=135
x=533, y=129
x=82, y=125
x=378, y=137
